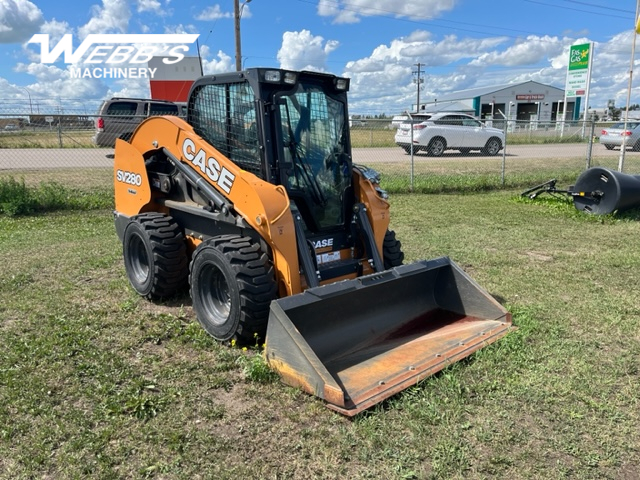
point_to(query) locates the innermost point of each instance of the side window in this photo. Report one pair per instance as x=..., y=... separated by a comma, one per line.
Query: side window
x=163, y=109
x=449, y=120
x=225, y=115
x=122, y=109
x=470, y=122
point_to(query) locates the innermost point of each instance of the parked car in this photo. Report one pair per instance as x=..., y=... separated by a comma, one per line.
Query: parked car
x=615, y=135
x=119, y=117
x=443, y=131
x=11, y=127
x=398, y=120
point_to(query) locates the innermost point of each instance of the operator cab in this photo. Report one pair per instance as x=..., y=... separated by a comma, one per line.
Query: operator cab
x=288, y=128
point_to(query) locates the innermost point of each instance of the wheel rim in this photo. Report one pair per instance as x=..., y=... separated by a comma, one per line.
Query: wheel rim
x=493, y=147
x=139, y=259
x=437, y=148
x=214, y=293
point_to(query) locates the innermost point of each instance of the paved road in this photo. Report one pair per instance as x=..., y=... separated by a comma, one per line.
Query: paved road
x=38, y=158
x=558, y=150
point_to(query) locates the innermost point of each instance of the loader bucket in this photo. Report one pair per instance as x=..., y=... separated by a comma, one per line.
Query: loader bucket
x=357, y=342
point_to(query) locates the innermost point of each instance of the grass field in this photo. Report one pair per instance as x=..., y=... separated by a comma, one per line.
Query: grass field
x=98, y=383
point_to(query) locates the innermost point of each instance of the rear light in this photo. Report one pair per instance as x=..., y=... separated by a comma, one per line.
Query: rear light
x=626, y=133
x=603, y=132
x=100, y=123
x=419, y=127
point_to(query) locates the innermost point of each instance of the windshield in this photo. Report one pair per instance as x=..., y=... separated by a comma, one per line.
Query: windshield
x=312, y=128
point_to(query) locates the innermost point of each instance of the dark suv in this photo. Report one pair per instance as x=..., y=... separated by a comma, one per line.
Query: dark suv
x=119, y=117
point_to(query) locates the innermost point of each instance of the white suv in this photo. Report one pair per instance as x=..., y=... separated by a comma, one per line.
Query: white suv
x=443, y=131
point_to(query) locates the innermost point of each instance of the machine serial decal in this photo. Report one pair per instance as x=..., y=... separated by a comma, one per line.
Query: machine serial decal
x=130, y=178
x=208, y=166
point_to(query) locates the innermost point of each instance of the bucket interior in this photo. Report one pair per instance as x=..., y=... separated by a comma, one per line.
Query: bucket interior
x=377, y=339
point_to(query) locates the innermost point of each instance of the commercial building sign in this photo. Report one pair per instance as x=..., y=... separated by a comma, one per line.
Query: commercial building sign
x=578, y=70
x=530, y=96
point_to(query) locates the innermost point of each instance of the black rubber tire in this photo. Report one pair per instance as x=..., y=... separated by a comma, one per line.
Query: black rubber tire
x=155, y=255
x=407, y=150
x=636, y=147
x=608, y=147
x=392, y=254
x=232, y=285
x=436, y=147
x=492, y=147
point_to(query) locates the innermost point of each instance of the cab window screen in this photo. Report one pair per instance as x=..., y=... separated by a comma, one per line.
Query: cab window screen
x=225, y=115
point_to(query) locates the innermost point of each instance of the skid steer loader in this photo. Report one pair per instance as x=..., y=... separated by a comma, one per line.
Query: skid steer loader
x=255, y=204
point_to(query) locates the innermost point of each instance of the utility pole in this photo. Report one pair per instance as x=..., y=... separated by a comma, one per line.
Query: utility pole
x=236, y=18
x=237, y=14
x=418, y=81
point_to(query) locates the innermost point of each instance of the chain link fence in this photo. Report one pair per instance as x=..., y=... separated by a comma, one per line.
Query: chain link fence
x=62, y=148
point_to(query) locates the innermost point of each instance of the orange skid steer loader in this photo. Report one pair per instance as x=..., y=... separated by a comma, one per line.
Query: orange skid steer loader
x=254, y=203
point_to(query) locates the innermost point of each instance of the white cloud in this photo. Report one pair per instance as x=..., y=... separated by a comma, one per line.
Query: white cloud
x=43, y=73
x=527, y=51
x=350, y=11
x=419, y=46
x=55, y=29
x=54, y=89
x=130, y=88
x=113, y=16
x=219, y=64
x=304, y=51
x=19, y=20
x=149, y=6
x=180, y=28
x=215, y=12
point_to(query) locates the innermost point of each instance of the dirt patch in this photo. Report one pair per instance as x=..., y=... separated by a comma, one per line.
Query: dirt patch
x=541, y=257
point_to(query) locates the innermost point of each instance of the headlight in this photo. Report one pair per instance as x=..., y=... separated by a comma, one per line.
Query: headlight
x=272, y=76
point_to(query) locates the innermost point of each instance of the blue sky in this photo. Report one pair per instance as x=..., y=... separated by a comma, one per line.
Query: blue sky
x=460, y=43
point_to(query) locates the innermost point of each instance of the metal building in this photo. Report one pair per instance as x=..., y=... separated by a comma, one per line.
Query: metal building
x=525, y=101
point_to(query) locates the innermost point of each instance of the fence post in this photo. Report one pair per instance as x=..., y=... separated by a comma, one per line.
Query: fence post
x=60, y=132
x=504, y=155
x=590, y=146
x=411, y=180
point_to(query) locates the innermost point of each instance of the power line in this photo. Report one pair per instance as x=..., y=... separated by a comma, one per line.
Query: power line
x=606, y=7
x=580, y=9
x=428, y=20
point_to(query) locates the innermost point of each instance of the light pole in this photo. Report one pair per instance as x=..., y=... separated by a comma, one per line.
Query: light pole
x=509, y=120
x=30, y=104
x=237, y=14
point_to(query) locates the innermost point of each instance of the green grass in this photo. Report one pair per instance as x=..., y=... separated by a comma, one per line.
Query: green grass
x=96, y=382
x=380, y=136
x=19, y=198
x=48, y=139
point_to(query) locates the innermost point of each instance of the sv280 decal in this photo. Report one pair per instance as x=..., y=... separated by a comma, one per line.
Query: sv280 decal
x=130, y=178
